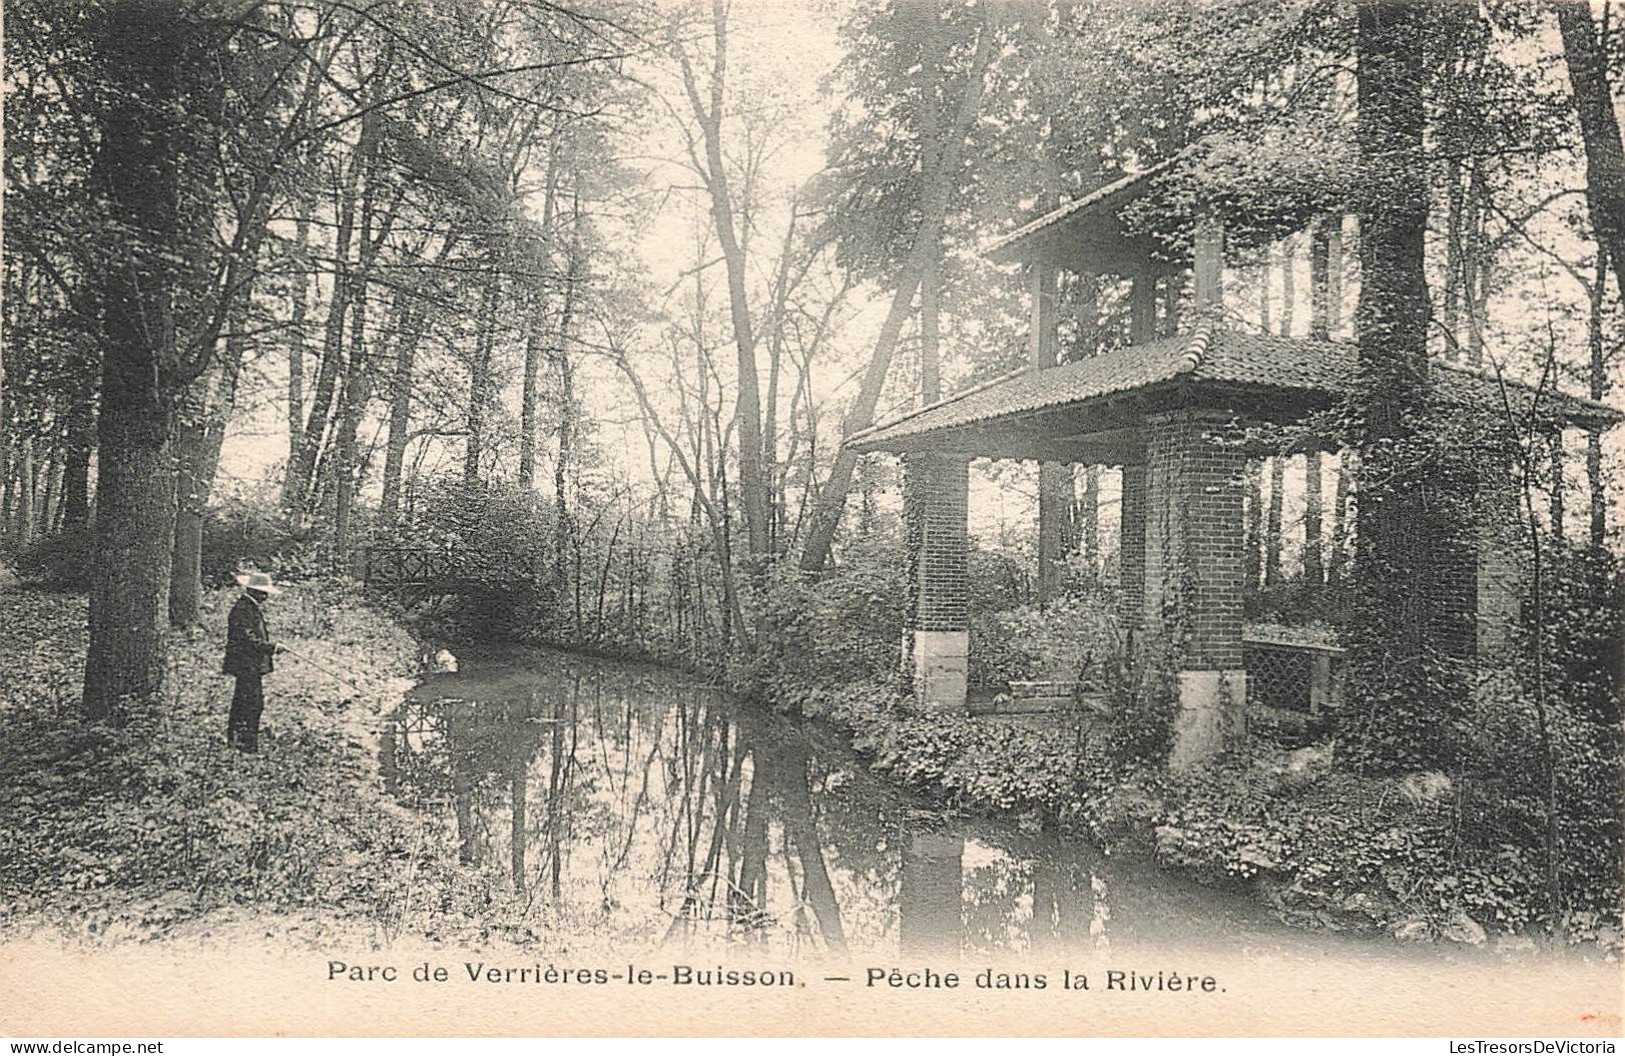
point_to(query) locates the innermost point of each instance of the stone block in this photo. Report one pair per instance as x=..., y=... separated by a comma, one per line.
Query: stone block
x=940, y=670
x=1211, y=717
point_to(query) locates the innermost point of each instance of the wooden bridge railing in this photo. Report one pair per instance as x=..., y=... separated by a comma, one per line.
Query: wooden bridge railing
x=449, y=568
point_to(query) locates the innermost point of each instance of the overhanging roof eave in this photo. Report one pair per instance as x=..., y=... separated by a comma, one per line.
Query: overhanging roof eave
x=1030, y=239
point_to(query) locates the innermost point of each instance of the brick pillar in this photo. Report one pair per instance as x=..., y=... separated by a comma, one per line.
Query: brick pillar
x=938, y=486
x=1131, y=549
x=1193, y=576
x=1480, y=582
x=1502, y=568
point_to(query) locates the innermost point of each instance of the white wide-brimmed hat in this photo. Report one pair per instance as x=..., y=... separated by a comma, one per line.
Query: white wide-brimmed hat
x=260, y=581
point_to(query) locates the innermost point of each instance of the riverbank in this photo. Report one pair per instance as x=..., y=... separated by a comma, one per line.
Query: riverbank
x=1325, y=849
x=157, y=830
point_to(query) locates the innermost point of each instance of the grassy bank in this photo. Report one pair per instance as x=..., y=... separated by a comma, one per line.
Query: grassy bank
x=158, y=830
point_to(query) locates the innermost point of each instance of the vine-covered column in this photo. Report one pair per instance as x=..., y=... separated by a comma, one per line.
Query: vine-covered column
x=1193, y=576
x=1131, y=550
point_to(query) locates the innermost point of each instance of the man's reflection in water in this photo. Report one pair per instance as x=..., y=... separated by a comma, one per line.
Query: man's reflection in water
x=930, y=903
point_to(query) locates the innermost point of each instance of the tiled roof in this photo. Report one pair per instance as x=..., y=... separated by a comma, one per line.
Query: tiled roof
x=1317, y=368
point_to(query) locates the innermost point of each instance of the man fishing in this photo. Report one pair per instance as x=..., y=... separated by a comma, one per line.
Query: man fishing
x=249, y=650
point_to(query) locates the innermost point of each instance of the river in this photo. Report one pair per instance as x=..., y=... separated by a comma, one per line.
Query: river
x=626, y=802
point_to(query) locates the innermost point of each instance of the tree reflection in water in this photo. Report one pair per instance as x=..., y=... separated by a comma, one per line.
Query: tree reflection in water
x=628, y=804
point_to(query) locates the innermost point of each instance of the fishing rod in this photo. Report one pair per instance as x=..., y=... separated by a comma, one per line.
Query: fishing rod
x=324, y=669
x=347, y=680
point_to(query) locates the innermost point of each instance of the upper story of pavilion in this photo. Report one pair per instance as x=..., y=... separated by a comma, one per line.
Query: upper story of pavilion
x=1184, y=348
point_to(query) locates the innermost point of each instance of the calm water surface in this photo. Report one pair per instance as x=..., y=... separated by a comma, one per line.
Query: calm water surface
x=627, y=803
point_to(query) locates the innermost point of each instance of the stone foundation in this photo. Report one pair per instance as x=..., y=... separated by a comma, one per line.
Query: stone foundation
x=1212, y=715
x=940, y=669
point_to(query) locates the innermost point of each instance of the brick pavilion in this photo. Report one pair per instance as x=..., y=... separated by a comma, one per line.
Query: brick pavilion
x=1168, y=409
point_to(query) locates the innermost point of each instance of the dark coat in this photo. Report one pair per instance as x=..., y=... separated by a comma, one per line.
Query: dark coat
x=248, y=641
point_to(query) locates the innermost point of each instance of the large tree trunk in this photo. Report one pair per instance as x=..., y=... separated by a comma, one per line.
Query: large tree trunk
x=143, y=42
x=939, y=179
x=1599, y=128
x=1399, y=717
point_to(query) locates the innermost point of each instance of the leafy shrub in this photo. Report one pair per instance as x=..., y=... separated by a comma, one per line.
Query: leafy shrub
x=846, y=625
x=59, y=562
x=1070, y=638
x=239, y=535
